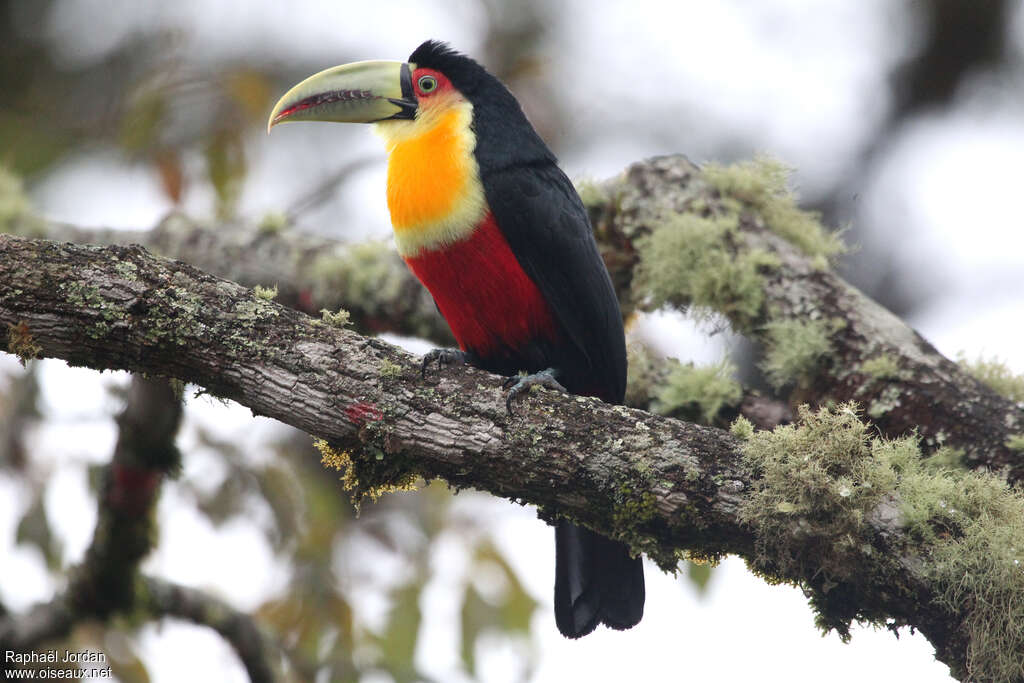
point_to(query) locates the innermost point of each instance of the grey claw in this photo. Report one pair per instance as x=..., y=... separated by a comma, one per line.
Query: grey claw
x=544, y=378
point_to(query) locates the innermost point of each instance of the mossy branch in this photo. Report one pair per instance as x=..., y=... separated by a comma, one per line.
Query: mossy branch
x=861, y=523
x=728, y=241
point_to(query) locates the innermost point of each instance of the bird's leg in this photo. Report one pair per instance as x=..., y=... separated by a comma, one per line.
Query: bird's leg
x=517, y=384
x=445, y=357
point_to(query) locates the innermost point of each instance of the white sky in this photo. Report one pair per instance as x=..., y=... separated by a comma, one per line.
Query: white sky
x=804, y=82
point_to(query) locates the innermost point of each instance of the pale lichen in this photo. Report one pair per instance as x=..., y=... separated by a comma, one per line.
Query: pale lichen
x=591, y=193
x=794, y=349
x=339, y=319
x=699, y=390
x=742, y=428
x=826, y=488
x=886, y=401
x=689, y=260
x=881, y=367
x=996, y=375
x=761, y=184
x=265, y=293
x=369, y=273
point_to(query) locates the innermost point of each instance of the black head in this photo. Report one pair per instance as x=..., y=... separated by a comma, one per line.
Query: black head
x=504, y=136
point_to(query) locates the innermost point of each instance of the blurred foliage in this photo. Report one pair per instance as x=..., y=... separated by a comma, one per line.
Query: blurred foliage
x=141, y=98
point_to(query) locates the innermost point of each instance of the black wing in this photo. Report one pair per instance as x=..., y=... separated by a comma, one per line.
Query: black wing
x=542, y=218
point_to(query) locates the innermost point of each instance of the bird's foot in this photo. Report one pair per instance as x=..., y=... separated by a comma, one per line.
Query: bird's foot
x=443, y=357
x=517, y=384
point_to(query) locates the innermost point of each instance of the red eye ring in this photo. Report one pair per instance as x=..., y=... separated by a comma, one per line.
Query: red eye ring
x=427, y=84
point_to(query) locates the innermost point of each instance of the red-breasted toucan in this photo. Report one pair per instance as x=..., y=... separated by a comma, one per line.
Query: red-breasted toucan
x=495, y=230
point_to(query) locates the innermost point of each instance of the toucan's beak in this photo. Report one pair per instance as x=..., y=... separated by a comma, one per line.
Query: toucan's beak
x=362, y=92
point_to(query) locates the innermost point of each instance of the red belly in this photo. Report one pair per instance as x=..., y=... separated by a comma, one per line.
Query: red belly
x=488, y=300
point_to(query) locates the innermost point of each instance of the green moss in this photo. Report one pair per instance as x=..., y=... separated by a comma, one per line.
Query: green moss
x=881, y=367
x=996, y=375
x=794, y=349
x=698, y=391
x=265, y=293
x=389, y=370
x=761, y=184
x=16, y=215
x=631, y=510
x=339, y=319
x=1015, y=442
x=742, y=428
x=689, y=260
x=827, y=486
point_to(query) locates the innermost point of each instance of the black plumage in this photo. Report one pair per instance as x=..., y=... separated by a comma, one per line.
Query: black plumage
x=546, y=226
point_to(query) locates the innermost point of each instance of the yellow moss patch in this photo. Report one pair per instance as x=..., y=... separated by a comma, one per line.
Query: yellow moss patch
x=21, y=343
x=342, y=462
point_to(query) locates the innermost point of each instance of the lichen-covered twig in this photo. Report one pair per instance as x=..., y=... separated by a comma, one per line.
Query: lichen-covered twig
x=862, y=524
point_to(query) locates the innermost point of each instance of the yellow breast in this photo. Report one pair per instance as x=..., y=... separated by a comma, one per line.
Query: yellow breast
x=434, y=191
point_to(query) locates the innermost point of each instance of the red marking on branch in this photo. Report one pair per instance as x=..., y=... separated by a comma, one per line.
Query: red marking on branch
x=361, y=413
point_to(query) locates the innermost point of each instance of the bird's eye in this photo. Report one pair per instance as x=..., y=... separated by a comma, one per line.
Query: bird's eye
x=427, y=83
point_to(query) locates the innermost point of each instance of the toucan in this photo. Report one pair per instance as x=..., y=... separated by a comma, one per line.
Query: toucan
x=493, y=228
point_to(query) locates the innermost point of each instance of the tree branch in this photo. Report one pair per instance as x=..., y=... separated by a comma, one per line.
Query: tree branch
x=866, y=353
x=660, y=484
x=239, y=629
x=869, y=355
x=368, y=280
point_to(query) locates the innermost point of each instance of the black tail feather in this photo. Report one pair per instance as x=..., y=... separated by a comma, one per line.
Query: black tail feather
x=596, y=581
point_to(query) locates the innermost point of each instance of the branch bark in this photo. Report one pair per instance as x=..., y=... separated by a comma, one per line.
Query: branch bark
x=662, y=485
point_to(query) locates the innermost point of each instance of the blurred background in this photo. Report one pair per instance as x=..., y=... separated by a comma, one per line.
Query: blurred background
x=903, y=120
